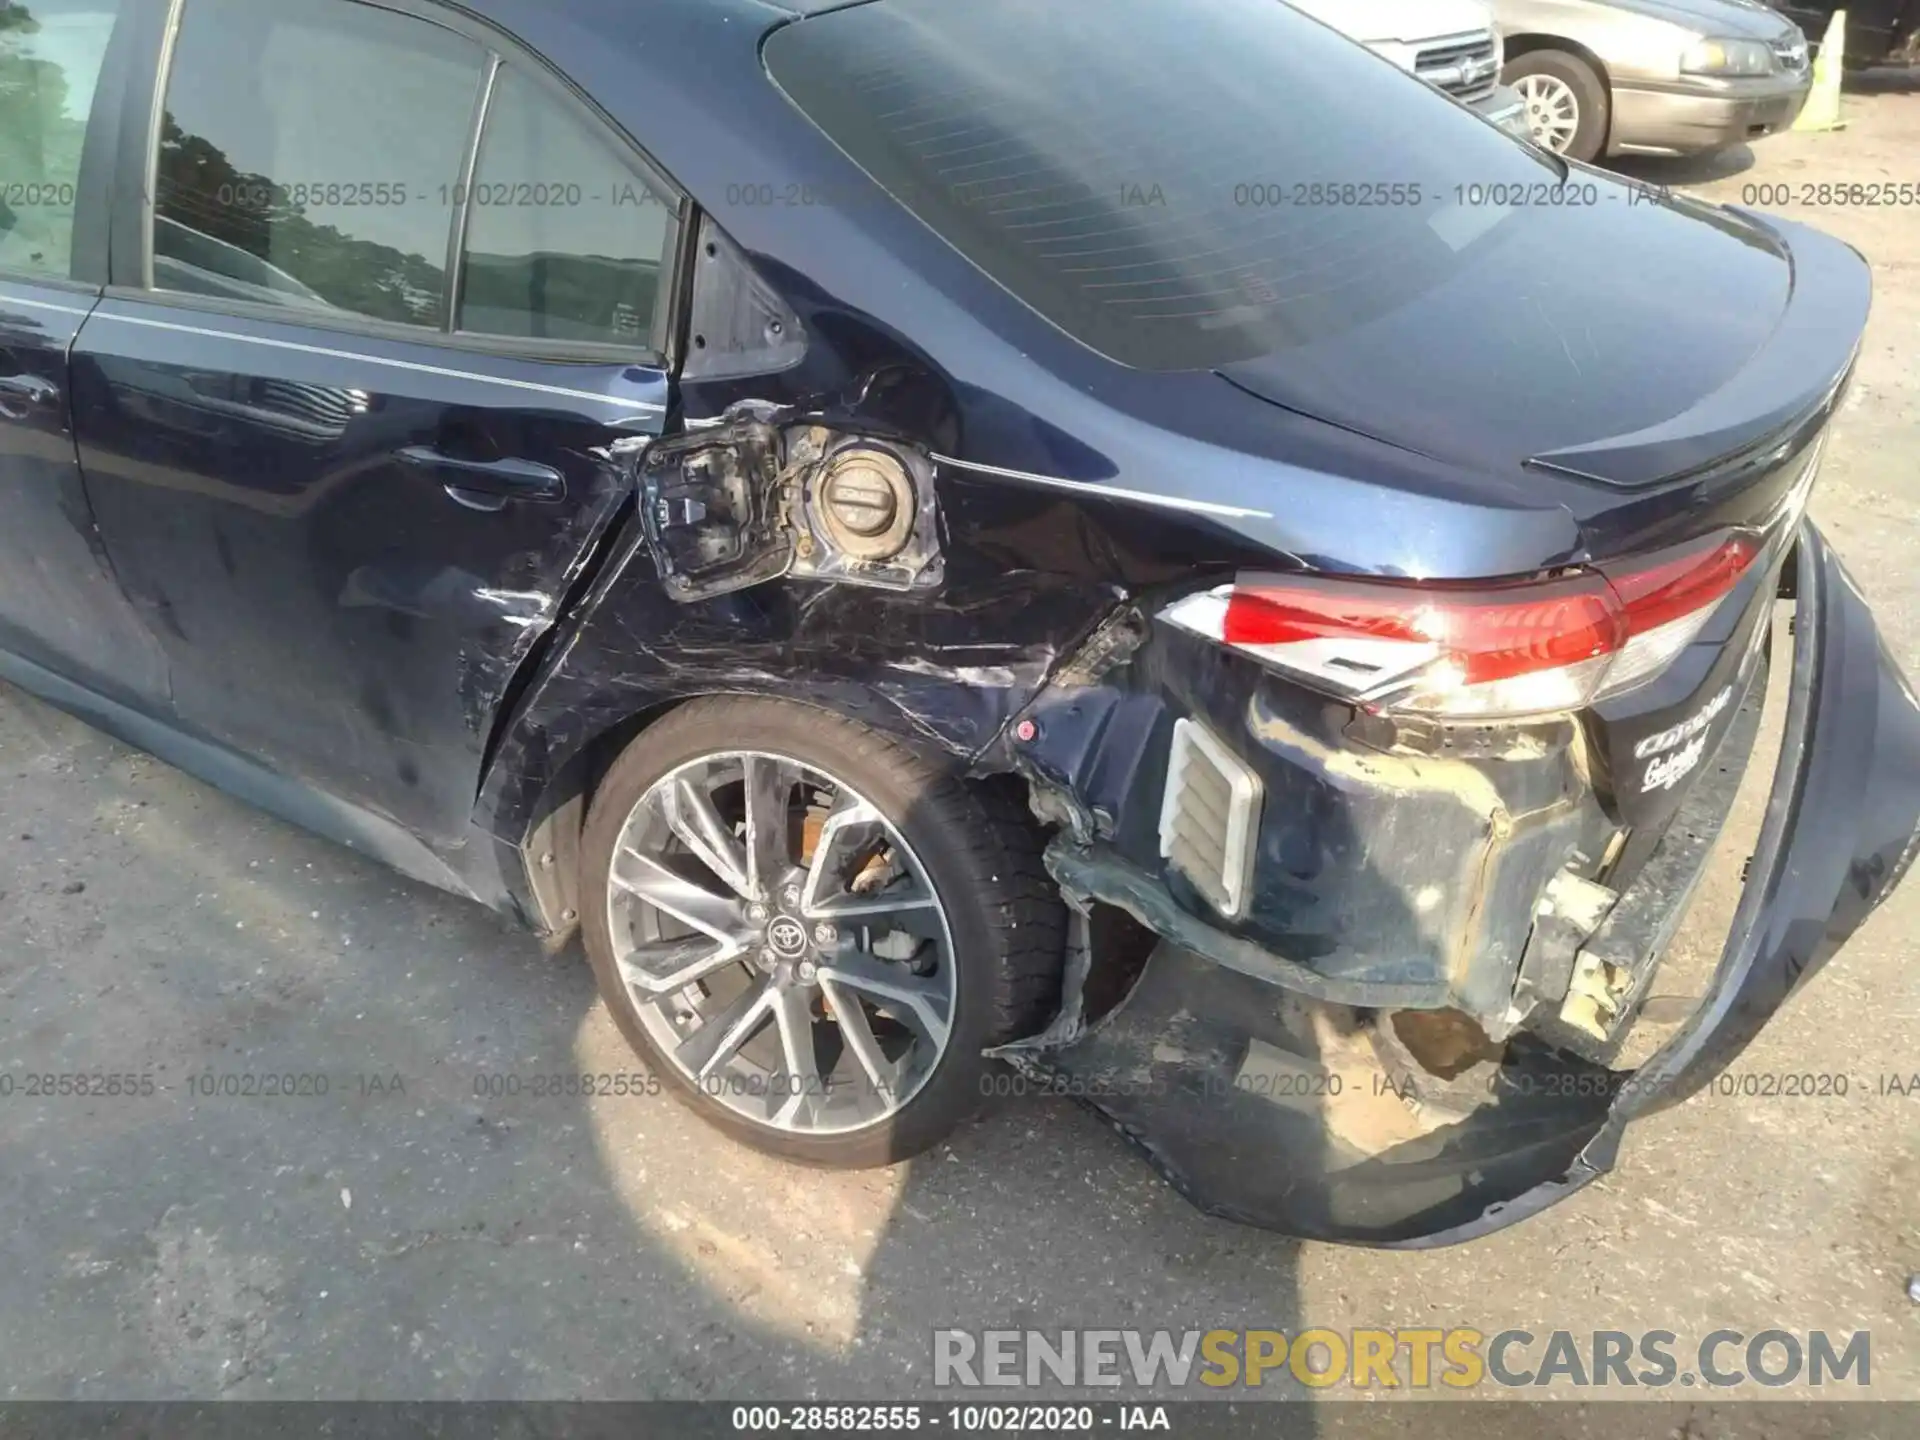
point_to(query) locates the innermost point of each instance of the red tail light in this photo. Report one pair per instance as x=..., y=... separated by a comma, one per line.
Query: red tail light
x=1477, y=651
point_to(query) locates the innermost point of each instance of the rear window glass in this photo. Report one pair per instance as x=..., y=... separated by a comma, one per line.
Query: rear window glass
x=1176, y=185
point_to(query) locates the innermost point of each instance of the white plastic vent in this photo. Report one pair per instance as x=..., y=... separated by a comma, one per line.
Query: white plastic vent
x=1210, y=817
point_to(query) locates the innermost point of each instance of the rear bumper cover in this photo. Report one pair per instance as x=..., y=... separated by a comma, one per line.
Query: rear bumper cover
x=1201, y=1067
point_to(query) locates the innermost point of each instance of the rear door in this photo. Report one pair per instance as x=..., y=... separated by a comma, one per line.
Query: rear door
x=60, y=606
x=355, y=409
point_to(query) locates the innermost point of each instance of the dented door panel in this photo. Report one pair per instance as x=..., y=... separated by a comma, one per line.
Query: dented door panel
x=314, y=527
x=61, y=605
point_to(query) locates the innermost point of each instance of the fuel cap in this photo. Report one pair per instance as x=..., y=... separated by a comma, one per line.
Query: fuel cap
x=866, y=502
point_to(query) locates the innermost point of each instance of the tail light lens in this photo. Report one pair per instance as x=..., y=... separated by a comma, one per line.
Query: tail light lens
x=1491, y=651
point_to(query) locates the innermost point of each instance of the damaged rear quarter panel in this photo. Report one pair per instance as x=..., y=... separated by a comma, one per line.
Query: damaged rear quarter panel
x=942, y=668
x=1391, y=868
x=1017, y=577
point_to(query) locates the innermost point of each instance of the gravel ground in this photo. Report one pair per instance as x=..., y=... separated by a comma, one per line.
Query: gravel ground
x=399, y=1237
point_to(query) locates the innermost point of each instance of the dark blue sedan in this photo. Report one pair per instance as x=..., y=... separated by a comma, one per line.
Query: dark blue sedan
x=1126, y=538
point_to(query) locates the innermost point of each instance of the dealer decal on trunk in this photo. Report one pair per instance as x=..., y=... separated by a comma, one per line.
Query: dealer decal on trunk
x=1690, y=734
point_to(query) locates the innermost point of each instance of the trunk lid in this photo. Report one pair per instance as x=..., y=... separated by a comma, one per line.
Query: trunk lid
x=1744, y=456
x=1625, y=342
x=1709, y=389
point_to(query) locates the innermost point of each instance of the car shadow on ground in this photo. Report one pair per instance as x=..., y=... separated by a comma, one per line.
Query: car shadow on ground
x=379, y=1157
x=1678, y=170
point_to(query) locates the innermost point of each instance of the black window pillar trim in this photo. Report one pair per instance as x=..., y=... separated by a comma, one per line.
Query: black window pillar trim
x=671, y=308
x=89, y=257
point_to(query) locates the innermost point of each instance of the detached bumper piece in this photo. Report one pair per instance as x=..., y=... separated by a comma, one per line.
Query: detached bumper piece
x=1262, y=1102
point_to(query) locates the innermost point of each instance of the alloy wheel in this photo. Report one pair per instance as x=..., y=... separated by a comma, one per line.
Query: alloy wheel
x=781, y=943
x=1553, y=110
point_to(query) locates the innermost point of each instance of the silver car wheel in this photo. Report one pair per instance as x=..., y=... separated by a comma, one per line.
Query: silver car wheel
x=781, y=943
x=1553, y=110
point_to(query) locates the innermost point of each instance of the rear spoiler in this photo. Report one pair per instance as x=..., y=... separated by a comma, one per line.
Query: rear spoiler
x=1796, y=373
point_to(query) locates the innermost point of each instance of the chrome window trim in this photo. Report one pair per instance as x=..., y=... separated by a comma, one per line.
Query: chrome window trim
x=392, y=362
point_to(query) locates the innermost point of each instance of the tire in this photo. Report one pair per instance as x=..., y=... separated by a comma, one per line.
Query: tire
x=1574, y=77
x=972, y=847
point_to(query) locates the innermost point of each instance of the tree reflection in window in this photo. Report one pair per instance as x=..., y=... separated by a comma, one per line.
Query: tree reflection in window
x=50, y=57
x=209, y=247
x=349, y=124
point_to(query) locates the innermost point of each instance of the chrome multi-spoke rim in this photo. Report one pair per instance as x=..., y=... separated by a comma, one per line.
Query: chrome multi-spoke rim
x=781, y=942
x=1553, y=110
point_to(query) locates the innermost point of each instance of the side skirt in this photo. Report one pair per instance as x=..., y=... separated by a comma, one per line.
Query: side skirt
x=291, y=800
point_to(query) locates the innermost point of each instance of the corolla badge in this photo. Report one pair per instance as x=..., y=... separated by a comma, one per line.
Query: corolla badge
x=1690, y=735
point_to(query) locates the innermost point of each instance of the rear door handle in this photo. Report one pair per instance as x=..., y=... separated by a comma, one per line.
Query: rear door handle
x=28, y=391
x=488, y=484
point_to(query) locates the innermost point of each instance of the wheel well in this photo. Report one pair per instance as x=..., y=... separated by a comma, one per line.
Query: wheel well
x=1518, y=45
x=552, y=847
x=551, y=850
x=598, y=754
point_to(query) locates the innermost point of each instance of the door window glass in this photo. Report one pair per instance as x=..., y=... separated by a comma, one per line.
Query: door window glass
x=310, y=156
x=564, y=240
x=51, y=52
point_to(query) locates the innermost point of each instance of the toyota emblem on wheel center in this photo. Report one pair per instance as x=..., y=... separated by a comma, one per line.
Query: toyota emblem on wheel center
x=787, y=936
